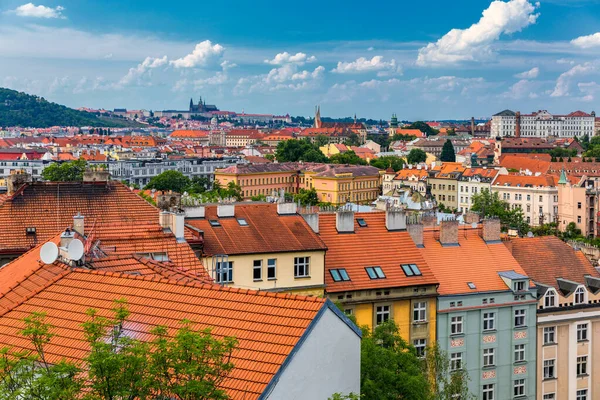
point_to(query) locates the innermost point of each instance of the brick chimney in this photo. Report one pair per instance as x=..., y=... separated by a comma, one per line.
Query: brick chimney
x=16, y=180
x=491, y=230
x=96, y=175
x=449, y=233
x=395, y=219
x=518, y=124
x=79, y=224
x=415, y=230
x=344, y=221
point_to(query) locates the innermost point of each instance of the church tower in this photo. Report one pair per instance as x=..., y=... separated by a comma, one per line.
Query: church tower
x=191, y=105
x=318, y=123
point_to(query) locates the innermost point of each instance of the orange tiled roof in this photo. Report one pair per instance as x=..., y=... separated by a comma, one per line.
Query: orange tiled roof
x=523, y=181
x=370, y=246
x=267, y=232
x=188, y=134
x=483, y=172
x=267, y=325
x=472, y=261
x=532, y=164
x=404, y=174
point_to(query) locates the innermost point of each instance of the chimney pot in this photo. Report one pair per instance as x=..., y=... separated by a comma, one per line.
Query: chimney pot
x=312, y=219
x=491, y=230
x=395, y=220
x=79, y=224
x=66, y=237
x=225, y=210
x=287, y=208
x=416, y=233
x=344, y=221
x=449, y=233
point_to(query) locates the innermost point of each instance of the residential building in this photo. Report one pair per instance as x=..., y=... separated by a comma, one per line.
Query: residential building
x=434, y=145
x=259, y=246
x=443, y=183
x=486, y=318
x=375, y=271
x=472, y=181
x=414, y=177
x=577, y=203
x=543, y=124
x=537, y=196
x=568, y=317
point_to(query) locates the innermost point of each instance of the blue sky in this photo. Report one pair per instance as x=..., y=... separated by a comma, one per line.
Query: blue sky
x=420, y=60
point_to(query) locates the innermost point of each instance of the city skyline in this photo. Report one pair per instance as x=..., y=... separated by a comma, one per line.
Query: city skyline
x=439, y=62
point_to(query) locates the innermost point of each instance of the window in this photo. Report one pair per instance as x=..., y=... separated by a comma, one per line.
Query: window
x=549, y=335
x=257, y=270
x=519, y=286
x=519, y=353
x=519, y=318
x=549, y=396
x=579, y=296
x=455, y=361
x=489, y=321
x=420, y=311
x=375, y=273
x=488, y=392
x=420, y=346
x=519, y=387
x=339, y=275
x=488, y=357
x=579, y=205
x=550, y=299
x=582, y=394
x=214, y=222
x=582, y=365
x=382, y=314
x=361, y=222
x=301, y=267
x=242, y=222
x=411, y=270
x=471, y=285
x=548, y=369
x=456, y=325
x=271, y=268
x=224, y=272
x=582, y=332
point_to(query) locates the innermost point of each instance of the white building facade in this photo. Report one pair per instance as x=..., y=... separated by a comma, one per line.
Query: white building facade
x=543, y=124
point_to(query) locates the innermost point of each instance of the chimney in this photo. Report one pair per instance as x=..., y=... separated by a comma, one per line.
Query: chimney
x=225, y=210
x=395, y=220
x=344, y=221
x=15, y=180
x=164, y=219
x=195, y=212
x=178, y=226
x=66, y=237
x=79, y=224
x=312, y=219
x=287, y=208
x=168, y=201
x=96, y=175
x=416, y=233
x=449, y=233
x=518, y=124
x=491, y=230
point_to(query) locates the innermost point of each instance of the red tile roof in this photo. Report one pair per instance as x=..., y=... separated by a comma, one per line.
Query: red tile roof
x=533, y=164
x=523, y=181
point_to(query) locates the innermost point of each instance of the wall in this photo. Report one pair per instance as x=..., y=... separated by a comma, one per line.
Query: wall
x=327, y=362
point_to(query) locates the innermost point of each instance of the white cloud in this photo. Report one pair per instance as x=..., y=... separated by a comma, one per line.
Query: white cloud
x=286, y=77
x=287, y=58
x=203, y=55
x=565, y=61
x=362, y=65
x=522, y=89
x=564, y=81
x=139, y=71
x=531, y=74
x=474, y=43
x=586, y=42
x=33, y=11
x=589, y=90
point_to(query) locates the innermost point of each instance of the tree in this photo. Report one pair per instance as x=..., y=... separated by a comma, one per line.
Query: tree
x=307, y=197
x=347, y=157
x=416, y=156
x=298, y=150
x=423, y=127
x=321, y=140
x=448, y=154
x=488, y=204
x=585, y=141
x=198, y=184
x=446, y=384
x=385, y=162
x=71, y=171
x=169, y=180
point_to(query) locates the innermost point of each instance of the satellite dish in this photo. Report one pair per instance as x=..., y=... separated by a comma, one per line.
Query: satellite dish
x=474, y=225
x=49, y=253
x=75, y=250
x=529, y=234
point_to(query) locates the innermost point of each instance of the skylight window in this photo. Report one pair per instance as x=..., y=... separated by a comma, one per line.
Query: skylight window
x=375, y=273
x=361, y=222
x=214, y=222
x=242, y=222
x=411, y=270
x=471, y=285
x=339, y=275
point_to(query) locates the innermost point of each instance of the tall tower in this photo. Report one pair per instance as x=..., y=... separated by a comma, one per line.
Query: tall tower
x=191, y=105
x=394, y=121
x=318, y=123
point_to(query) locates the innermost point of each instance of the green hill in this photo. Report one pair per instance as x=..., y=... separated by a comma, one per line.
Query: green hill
x=21, y=109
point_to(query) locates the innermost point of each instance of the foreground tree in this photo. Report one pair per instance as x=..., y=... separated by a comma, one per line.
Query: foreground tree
x=446, y=384
x=298, y=150
x=448, y=154
x=347, y=157
x=489, y=204
x=71, y=171
x=385, y=162
x=416, y=156
x=169, y=180
x=307, y=197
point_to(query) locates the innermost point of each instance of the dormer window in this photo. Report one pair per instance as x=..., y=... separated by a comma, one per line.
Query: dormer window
x=519, y=286
x=580, y=296
x=550, y=299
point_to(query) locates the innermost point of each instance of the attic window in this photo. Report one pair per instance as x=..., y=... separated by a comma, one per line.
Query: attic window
x=339, y=275
x=242, y=222
x=214, y=222
x=30, y=230
x=375, y=273
x=361, y=222
x=411, y=270
x=471, y=285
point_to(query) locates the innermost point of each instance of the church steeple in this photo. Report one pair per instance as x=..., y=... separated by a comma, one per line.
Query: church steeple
x=318, y=123
x=191, y=104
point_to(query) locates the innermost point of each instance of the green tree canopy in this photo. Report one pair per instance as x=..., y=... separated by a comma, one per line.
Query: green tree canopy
x=169, y=180
x=423, y=127
x=307, y=197
x=298, y=150
x=448, y=154
x=347, y=157
x=71, y=171
x=416, y=156
x=385, y=162
x=489, y=204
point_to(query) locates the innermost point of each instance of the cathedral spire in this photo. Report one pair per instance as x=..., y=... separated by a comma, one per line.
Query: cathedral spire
x=318, y=117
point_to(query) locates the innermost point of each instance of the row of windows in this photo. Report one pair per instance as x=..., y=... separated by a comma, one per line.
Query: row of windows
x=443, y=187
x=489, y=390
x=549, y=336
x=224, y=269
x=383, y=313
x=551, y=297
x=466, y=189
x=489, y=321
x=266, y=181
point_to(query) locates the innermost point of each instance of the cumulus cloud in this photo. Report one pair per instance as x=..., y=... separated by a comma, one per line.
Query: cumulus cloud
x=204, y=54
x=286, y=77
x=287, y=58
x=362, y=64
x=589, y=90
x=586, y=42
x=522, y=89
x=474, y=43
x=564, y=81
x=32, y=11
x=135, y=73
x=531, y=74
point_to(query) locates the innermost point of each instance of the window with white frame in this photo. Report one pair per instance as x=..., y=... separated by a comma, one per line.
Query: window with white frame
x=420, y=311
x=549, y=335
x=455, y=361
x=271, y=268
x=382, y=314
x=420, y=346
x=549, y=396
x=301, y=267
x=582, y=394
x=224, y=272
x=519, y=318
x=519, y=387
x=489, y=357
x=257, y=270
x=582, y=365
x=582, y=332
x=580, y=296
x=549, y=369
x=550, y=299
x=519, y=286
x=456, y=325
x=489, y=321
x=519, y=353
x=488, y=392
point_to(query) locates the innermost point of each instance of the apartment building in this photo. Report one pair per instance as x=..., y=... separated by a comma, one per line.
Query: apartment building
x=472, y=181
x=413, y=177
x=537, y=196
x=375, y=271
x=568, y=317
x=543, y=124
x=486, y=317
x=577, y=203
x=443, y=183
x=434, y=145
